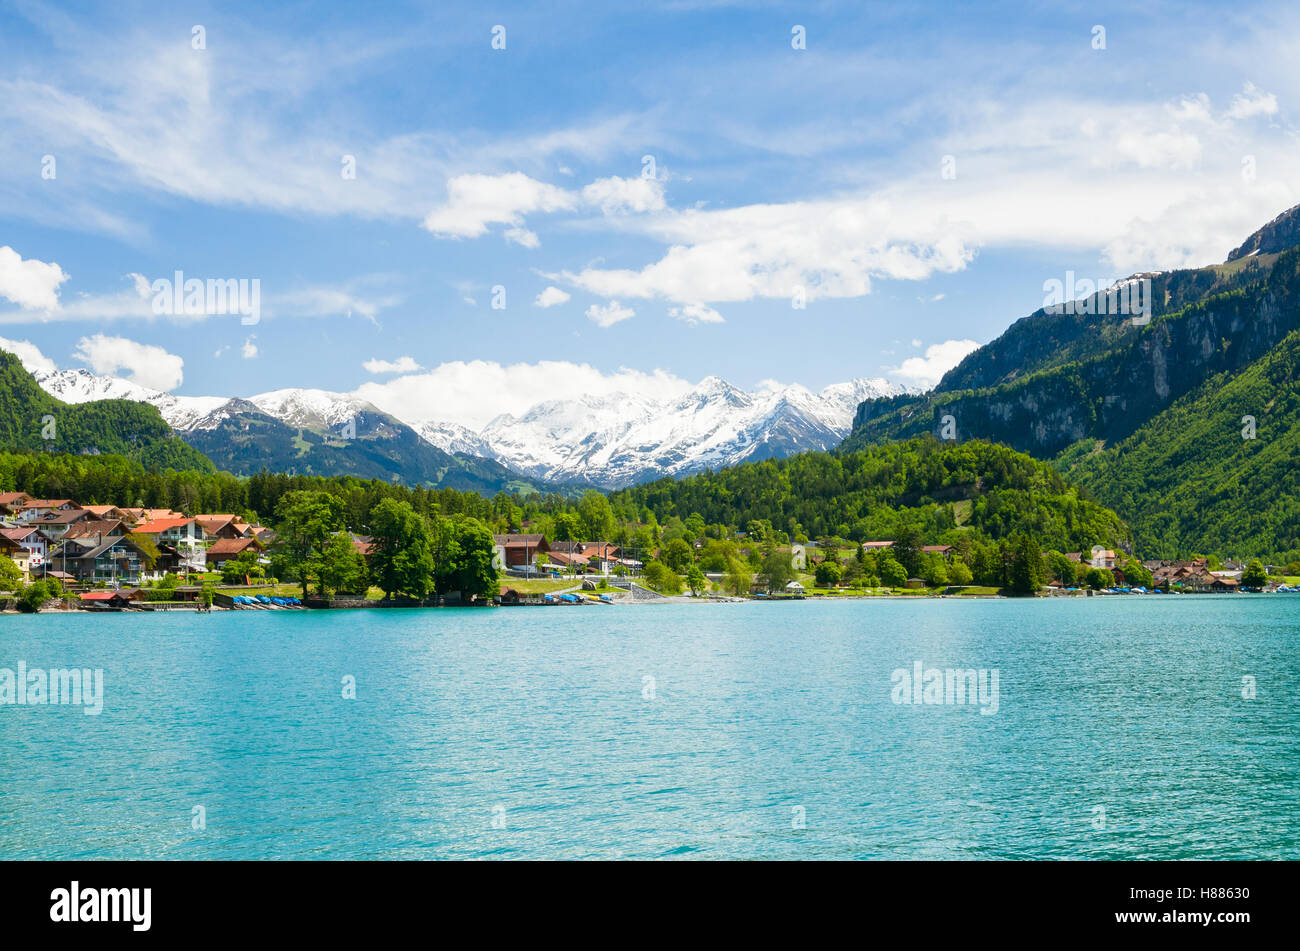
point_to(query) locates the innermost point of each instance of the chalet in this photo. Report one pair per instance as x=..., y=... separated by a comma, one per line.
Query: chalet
x=11, y=503
x=363, y=545
x=33, y=509
x=222, y=526
x=36, y=543
x=56, y=524
x=945, y=550
x=1223, y=585
x=519, y=551
x=116, y=561
x=1101, y=558
x=105, y=512
x=228, y=549
x=99, y=529
x=872, y=546
x=185, y=535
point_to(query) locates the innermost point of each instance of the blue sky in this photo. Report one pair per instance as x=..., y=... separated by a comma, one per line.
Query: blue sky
x=919, y=174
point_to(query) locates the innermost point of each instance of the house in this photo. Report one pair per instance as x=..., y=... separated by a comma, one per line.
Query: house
x=11, y=503
x=18, y=554
x=222, y=526
x=363, y=545
x=116, y=561
x=1222, y=585
x=794, y=587
x=36, y=542
x=1102, y=557
x=55, y=524
x=33, y=509
x=105, y=511
x=139, y=516
x=519, y=551
x=183, y=534
x=99, y=529
x=228, y=549
x=872, y=546
x=109, y=599
x=945, y=550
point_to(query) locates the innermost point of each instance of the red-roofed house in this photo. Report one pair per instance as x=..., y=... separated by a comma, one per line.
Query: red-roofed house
x=228, y=549
x=36, y=542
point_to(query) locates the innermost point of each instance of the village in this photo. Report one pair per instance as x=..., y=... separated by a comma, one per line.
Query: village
x=102, y=557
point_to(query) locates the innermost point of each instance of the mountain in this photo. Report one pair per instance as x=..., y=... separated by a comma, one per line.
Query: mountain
x=621, y=440
x=31, y=418
x=308, y=432
x=949, y=493
x=1112, y=401
x=608, y=442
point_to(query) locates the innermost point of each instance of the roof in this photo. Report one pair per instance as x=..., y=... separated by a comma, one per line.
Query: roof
x=96, y=526
x=96, y=550
x=18, y=534
x=214, y=523
x=520, y=541
x=160, y=525
x=46, y=503
x=363, y=544
x=877, y=544
x=8, y=497
x=234, y=546
x=101, y=510
x=103, y=596
x=939, y=548
x=65, y=517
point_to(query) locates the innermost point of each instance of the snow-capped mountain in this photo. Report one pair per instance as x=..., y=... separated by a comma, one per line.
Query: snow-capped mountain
x=624, y=439
x=609, y=441
x=182, y=413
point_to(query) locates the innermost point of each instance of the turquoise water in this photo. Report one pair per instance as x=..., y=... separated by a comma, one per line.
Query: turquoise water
x=518, y=733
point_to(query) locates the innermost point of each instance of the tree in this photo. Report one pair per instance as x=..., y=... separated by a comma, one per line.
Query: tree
x=662, y=578
x=959, y=573
x=892, y=574
x=1136, y=574
x=907, y=549
x=596, y=515
x=737, y=579
x=11, y=576
x=32, y=597
x=1026, y=571
x=935, y=570
x=1098, y=578
x=343, y=568
x=1255, y=576
x=462, y=555
x=695, y=580
x=235, y=570
x=401, y=561
x=677, y=555
x=828, y=574
x=309, y=520
x=777, y=570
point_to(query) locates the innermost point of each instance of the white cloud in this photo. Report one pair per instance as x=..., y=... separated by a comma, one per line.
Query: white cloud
x=28, y=354
x=939, y=359
x=145, y=364
x=400, y=365
x=476, y=201
x=610, y=314
x=249, y=350
x=1252, y=101
x=552, y=296
x=696, y=314
x=31, y=284
x=474, y=393
x=616, y=195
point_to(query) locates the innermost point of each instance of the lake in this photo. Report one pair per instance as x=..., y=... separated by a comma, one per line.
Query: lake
x=755, y=731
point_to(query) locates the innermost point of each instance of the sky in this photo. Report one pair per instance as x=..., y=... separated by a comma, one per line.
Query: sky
x=461, y=210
